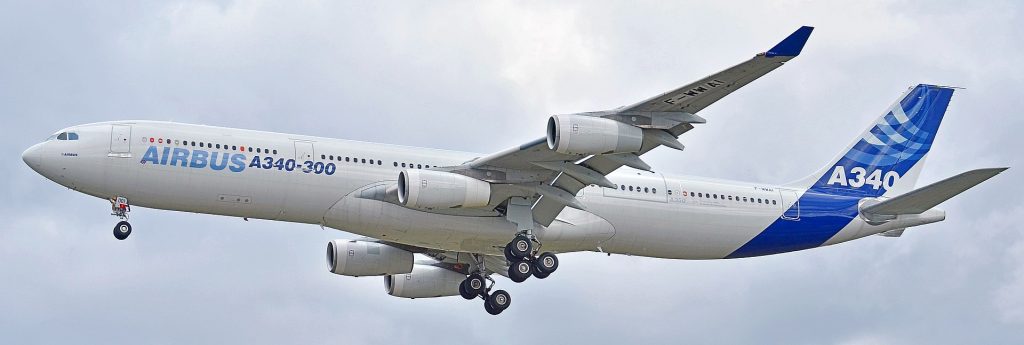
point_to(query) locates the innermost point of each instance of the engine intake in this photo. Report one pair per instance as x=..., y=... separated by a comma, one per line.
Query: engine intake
x=424, y=281
x=360, y=258
x=438, y=189
x=589, y=135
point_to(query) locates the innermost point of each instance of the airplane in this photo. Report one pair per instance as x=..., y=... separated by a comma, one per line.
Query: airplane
x=581, y=187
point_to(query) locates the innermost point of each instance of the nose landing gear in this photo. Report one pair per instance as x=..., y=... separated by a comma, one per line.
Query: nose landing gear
x=122, y=230
x=119, y=208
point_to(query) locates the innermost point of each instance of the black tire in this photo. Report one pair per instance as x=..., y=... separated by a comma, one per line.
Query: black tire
x=541, y=275
x=489, y=309
x=546, y=263
x=508, y=253
x=464, y=293
x=518, y=271
x=122, y=230
x=521, y=247
x=475, y=285
x=499, y=300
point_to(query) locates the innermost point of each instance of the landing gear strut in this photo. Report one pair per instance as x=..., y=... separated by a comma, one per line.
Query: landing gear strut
x=119, y=207
x=476, y=285
x=521, y=252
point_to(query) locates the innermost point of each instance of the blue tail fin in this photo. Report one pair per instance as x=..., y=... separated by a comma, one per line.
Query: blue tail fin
x=888, y=156
x=885, y=159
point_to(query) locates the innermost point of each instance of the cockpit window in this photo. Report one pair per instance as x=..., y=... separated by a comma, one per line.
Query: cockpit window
x=65, y=136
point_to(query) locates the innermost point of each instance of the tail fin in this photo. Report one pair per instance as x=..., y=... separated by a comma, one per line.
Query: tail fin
x=888, y=156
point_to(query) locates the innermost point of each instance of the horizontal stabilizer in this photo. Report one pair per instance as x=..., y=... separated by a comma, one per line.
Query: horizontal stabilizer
x=924, y=198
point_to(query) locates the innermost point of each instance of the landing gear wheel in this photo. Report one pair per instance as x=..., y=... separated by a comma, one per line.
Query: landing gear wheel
x=490, y=309
x=474, y=286
x=122, y=230
x=546, y=263
x=465, y=294
x=541, y=275
x=499, y=300
x=508, y=253
x=518, y=271
x=521, y=247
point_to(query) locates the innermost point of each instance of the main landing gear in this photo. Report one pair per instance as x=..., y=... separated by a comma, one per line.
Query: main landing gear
x=523, y=263
x=475, y=286
x=119, y=207
x=522, y=251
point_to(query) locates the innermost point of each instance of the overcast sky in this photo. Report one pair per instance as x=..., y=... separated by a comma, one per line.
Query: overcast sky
x=482, y=76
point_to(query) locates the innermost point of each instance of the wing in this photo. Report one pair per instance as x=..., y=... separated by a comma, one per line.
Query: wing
x=552, y=178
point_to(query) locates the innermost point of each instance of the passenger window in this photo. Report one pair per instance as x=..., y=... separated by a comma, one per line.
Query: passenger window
x=218, y=146
x=758, y=200
x=403, y=165
x=622, y=186
x=233, y=147
x=62, y=136
x=419, y=166
x=669, y=192
x=323, y=156
x=700, y=195
x=630, y=188
x=730, y=198
x=646, y=190
x=275, y=152
x=364, y=160
x=654, y=190
x=396, y=164
x=744, y=199
x=426, y=166
x=715, y=196
x=774, y=202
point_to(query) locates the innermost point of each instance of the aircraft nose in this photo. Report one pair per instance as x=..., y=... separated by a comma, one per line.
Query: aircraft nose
x=32, y=157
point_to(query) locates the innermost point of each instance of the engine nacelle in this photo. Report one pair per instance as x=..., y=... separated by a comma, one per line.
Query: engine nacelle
x=423, y=282
x=360, y=258
x=438, y=189
x=578, y=134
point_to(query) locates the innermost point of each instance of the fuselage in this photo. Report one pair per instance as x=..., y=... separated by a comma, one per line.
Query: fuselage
x=344, y=185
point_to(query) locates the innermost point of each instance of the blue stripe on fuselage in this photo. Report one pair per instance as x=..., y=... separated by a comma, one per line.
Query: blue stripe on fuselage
x=822, y=215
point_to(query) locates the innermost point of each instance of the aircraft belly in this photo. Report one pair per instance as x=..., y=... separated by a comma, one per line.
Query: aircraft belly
x=390, y=222
x=679, y=231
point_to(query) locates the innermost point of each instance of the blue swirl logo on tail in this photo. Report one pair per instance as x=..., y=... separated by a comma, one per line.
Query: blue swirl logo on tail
x=873, y=164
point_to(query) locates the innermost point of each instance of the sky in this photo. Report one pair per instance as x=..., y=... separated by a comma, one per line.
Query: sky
x=480, y=77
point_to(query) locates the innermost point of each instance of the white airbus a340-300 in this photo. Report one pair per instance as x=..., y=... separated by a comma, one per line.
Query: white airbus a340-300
x=581, y=187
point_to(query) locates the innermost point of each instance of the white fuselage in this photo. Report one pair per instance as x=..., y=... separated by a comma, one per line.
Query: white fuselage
x=649, y=215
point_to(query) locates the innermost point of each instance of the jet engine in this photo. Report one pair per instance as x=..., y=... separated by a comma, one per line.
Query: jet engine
x=360, y=258
x=438, y=189
x=423, y=282
x=589, y=135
